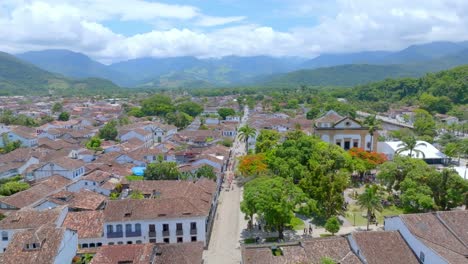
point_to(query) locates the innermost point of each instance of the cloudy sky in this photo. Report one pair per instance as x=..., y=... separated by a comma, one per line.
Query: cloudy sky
x=115, y=30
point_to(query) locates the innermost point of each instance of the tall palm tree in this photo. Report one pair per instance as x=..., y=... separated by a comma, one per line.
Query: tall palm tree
x=373, y=125
x=410, y=144
x=245, y=133
x=370, y=200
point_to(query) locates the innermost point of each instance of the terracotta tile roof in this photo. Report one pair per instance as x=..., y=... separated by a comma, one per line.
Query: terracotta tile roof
x=130, y=209
x=182, y=253
x=311, y=251
x=433, y=232
x=457, y=222
x=19, y=155
x=88, y=224
x=384, y=247
x=24, y=132
x=199, y=195
x=49, y=238
x=82, y=200
x=37, y=192
x=336, y=248
x=135, y=254
x=68, y=163
x=30, y=218
x=55, y=144
x=330, y=117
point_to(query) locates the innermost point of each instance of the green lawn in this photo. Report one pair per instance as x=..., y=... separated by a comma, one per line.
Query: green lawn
x=356, y=213
x=297, y=223
x=134, y=178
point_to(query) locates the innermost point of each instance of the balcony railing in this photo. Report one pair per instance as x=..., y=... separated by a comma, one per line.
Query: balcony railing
x=133, y=234
x=180, y=232
x=193, y=231
x=152, y=234
x=114, y=234
x=166, y=233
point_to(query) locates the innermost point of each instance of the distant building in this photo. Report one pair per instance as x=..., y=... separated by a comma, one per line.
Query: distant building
x=344, y=132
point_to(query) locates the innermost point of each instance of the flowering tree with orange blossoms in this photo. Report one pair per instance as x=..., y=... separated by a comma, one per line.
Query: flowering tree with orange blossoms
x=365, y=161
x=252, y=165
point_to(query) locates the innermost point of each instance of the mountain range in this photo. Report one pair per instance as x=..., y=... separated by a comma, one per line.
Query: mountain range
x=64, y=66
x=18, y=77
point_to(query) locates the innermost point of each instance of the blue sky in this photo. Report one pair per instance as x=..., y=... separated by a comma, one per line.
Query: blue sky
x=116, y=30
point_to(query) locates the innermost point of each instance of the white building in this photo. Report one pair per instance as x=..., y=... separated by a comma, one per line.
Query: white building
x=156, y=220
x=29, y=219
x=431, y=154
x=71, y=169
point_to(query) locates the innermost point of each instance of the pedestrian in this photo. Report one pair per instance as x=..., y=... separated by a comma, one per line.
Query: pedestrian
x=260, y=227
x=310, y=229
x=305, y=231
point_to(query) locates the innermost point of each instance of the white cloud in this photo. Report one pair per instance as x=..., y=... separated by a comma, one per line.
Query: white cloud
x=347, y=26
x=210, y=21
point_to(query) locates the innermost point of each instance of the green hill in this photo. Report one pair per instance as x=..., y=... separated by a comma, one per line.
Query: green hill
x=21, y=78
x=344, y=75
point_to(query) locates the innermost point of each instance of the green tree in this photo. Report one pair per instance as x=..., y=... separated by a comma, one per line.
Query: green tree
x=424, y=124
x=370, y=200
x=57, y=107
x=333, y=225
x=246, y=132
x=157, y=105
x=136, y=112
x=448, y=189
x=313, y=113
x=64, y=116
x=13, y=187
x=224, y=112
x=410, y=144
x=392, y=173
x=94, y=143
x=191, y=108
x=162, y=171
x=373, y=124
x=206, y=172
x=109, y=131
x=266, y=140
x=275, y=199
x=179, y=119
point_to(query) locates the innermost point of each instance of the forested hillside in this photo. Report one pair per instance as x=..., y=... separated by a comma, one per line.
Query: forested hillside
x=21, y=78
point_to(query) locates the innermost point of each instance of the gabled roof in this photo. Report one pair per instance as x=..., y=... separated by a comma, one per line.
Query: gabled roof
x=30, y=218
x=435, y=231
x=384, y=247
x=88, y=224
x=37, y=192
x=330, y=117
x=131, y=209
x=48, y=238
x=135, y=254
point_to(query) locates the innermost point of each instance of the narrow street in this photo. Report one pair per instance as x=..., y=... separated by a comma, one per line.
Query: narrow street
x=224, y=245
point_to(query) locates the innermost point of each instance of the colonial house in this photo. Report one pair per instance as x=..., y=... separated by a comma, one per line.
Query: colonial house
x=16, y=162
x=173, y=212
x=45, y=244
x=229, y=130
x=89, y=226
x=71, y=169
x=25, y=135
x=438, y=237
x=29, y=219
x=98, y=181
x=138, y=133
x=34, y=195
x=344, y=132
